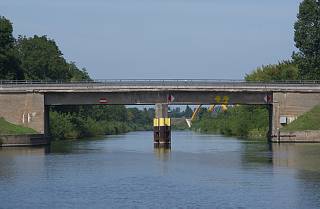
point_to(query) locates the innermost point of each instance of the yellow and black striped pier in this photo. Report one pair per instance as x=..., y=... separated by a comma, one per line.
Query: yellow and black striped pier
x=162, y=130
x=162, y=126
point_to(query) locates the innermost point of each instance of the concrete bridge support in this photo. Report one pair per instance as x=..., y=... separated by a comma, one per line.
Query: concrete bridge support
x=286, y=107
x=26, y=109
x=162, y=126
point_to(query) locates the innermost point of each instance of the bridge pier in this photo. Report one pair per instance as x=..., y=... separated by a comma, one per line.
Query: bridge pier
x=162, y=126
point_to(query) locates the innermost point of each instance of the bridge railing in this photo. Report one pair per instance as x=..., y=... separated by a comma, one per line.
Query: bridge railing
x=151, y=82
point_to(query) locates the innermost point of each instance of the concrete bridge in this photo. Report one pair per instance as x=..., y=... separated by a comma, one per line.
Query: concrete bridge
x=26, y=102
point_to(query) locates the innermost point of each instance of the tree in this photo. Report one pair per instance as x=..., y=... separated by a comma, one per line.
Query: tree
x=307, y=39
x=9, y=63
x=6, y=37
x=285, y=70
x=41, y=59
x=77, y=74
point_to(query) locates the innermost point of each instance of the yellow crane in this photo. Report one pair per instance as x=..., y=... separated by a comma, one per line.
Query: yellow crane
x=194, y=115
x=197, y=110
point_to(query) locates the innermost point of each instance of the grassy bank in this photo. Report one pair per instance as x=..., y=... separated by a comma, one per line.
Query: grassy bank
x=308, y=121
x=9, y=128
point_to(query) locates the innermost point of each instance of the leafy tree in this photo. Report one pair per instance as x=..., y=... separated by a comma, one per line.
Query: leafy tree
x=285, y=70
x=307, y=39
x=9, y=64
x=6, y=37
x=41, y=59
x=77, y=74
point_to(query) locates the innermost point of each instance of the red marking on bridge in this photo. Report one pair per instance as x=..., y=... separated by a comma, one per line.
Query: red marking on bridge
x=103, y=101
x=268, y=99
x=171, y=98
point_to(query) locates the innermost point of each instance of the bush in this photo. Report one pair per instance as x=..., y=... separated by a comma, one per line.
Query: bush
x=61, y=126
x=86, y=121
x=241, y=121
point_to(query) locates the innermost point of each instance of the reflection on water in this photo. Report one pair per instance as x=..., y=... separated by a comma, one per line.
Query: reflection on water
x=163, y=154
x=19, y=161
x=304, y=161
x=128, y=171
x=162, y=151
x=256, y=153
x=297, y=156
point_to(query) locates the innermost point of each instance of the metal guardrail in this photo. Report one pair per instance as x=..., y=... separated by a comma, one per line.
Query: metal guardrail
x=153, y=82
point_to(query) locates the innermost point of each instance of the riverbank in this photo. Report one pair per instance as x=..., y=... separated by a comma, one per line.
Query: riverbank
x=90, y=121
x=23, y=140
x=241, y=121
x=251, y=122
x=16, y=135
x=305, y=128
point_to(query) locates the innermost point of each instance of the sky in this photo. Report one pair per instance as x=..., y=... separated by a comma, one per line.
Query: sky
x=161, y=39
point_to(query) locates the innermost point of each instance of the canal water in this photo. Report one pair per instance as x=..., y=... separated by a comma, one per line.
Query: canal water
x=126, y=171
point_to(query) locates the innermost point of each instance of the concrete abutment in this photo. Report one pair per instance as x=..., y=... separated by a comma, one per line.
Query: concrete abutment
x=287, y=107
x=28, y=110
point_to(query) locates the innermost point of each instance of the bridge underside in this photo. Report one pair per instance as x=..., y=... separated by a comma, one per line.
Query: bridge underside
x=176, y=97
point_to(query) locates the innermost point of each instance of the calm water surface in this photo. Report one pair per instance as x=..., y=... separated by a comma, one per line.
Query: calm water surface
x=125, y=171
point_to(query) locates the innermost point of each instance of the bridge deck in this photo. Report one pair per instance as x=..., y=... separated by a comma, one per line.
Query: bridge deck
x=158, y=85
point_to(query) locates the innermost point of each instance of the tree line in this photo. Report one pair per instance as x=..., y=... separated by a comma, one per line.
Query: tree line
x=33, y=58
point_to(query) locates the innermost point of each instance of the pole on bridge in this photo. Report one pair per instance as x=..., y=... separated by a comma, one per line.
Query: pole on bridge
x=162, y=126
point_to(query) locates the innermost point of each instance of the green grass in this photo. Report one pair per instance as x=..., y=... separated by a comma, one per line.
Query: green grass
x=9, y=128
x=308, y=121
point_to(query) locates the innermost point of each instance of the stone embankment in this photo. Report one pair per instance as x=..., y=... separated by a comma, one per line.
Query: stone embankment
x=298, y=136
x=23, y=140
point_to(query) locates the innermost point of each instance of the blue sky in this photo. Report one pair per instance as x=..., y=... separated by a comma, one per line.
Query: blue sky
x=118, y=39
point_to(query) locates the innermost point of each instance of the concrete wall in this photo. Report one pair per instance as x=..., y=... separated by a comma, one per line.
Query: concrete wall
x=291, y=106
x=298, y=136
x=25, y=109
x=161, y=110
x=23, y=140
